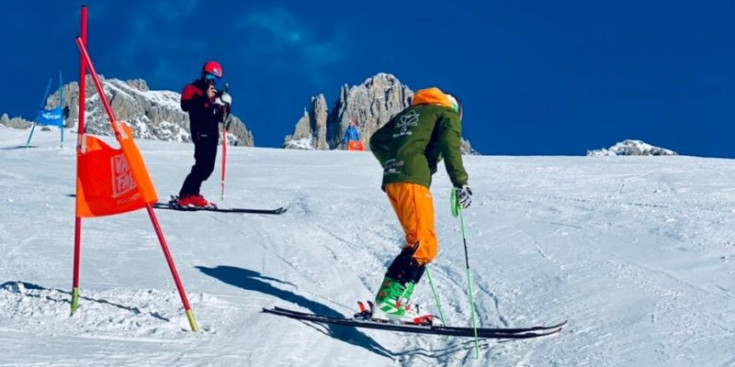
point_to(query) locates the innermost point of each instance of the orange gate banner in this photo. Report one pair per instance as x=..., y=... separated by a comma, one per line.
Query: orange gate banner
x=112, y=181
x=355, y=145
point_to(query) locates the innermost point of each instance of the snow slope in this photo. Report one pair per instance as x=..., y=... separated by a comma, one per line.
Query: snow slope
x=638, y=253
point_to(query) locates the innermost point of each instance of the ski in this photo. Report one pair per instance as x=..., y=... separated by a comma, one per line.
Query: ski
x=487, y=333
x=276, y=211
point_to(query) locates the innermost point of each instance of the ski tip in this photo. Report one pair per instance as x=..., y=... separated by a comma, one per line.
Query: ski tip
x=559, y=325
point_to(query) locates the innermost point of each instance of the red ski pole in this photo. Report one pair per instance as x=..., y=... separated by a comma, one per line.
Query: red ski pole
x=224, y=159
x=224, y=146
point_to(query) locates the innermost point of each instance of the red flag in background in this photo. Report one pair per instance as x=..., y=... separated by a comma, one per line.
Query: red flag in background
x=112, y=181
x=355, y=145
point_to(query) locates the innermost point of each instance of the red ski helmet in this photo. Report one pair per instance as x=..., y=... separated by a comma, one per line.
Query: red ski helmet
x=212, y=68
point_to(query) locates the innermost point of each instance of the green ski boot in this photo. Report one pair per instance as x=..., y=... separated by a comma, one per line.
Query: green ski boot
x=392, y=300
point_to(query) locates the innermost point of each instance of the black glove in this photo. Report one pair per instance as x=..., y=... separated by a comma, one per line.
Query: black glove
x=464, y=196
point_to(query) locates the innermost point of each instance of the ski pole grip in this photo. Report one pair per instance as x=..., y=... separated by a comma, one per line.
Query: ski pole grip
x=453, y=204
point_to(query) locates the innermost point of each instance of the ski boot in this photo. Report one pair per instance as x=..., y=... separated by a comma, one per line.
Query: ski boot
x=392, y=304
x=193, y=201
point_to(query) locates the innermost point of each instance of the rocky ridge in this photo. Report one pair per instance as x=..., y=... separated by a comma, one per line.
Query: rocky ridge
x=152, y=114
x=370, y=105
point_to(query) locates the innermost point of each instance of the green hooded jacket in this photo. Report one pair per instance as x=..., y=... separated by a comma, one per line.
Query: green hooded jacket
x=412, y=143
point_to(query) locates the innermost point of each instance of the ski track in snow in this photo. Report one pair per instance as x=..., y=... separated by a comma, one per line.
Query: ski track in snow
x=636, y=252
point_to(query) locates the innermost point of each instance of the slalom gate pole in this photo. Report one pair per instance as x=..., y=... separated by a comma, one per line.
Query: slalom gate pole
x=169, y=260
x=436, y=296
x=43, y=104
x=80, y=141
x=457, y=211
x=149, y=208
x=61, y=105
x=33, y=127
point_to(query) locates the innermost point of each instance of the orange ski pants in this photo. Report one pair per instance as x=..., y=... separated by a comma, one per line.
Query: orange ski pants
x=415, y=210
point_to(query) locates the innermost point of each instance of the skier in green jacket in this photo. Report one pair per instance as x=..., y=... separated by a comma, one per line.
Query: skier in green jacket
x=409, y=147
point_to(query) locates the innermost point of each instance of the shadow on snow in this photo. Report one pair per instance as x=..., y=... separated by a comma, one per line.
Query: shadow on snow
x=254, y=281
x=20, y=287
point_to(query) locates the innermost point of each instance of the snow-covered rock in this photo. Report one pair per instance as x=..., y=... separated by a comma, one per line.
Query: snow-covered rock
x=15, y=122
x=630, y=147
x=153, y=114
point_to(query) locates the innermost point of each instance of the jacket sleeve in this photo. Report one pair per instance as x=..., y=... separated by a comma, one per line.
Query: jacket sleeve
x=380, y=142
x=193, y=98
x=450, y=132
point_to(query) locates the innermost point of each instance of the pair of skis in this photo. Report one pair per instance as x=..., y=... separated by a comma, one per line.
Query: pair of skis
x=171, y=205
x=485, y=333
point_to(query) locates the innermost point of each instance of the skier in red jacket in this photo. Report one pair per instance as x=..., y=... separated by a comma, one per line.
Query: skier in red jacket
x=206, y=107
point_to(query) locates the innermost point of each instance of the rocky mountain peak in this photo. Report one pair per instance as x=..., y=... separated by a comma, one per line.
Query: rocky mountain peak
x=370, y=105
x=630, y=147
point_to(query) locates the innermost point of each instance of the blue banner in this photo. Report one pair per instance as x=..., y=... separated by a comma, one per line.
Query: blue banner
x=53, y=117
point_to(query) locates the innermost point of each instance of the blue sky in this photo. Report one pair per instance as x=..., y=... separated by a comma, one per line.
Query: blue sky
x=535, y=77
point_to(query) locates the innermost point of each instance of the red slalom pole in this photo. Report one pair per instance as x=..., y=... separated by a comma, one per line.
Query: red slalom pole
x=101, y=91
x=80, y=141
x=154, y=220
x=172, y=267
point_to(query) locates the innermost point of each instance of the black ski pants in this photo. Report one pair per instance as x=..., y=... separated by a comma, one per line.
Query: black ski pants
x=205, y=154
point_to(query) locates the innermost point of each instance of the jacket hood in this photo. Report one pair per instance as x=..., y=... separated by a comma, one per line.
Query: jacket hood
x=431, y=95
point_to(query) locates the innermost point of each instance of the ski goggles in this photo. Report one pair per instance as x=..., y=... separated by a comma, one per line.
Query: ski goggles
x=211, y=78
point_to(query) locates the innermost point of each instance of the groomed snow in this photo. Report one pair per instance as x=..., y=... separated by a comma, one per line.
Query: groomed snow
x=638, y=253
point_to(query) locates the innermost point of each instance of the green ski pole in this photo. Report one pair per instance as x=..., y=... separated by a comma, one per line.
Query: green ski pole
x=457, y=211
x=436, y=296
